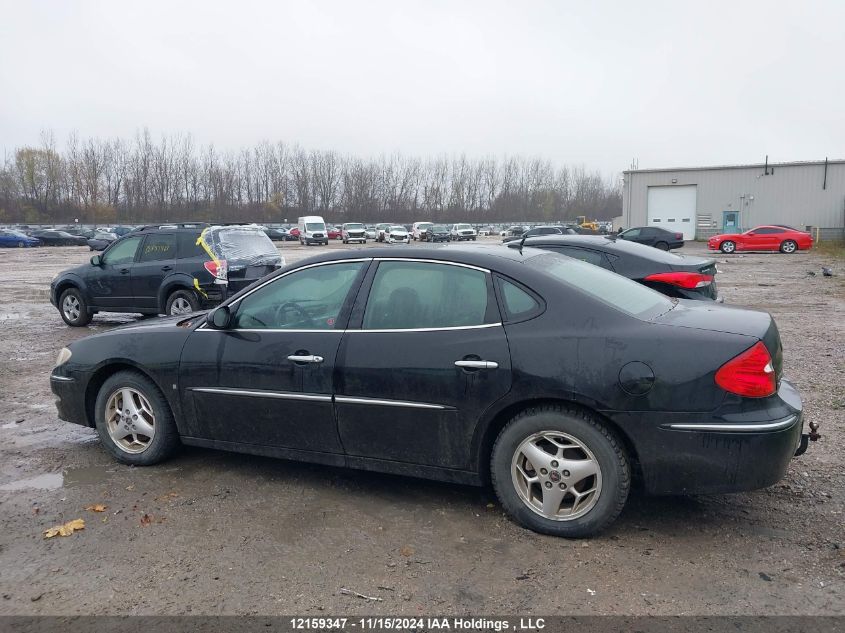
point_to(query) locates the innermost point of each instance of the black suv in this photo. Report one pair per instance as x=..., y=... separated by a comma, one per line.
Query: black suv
x=165, y=269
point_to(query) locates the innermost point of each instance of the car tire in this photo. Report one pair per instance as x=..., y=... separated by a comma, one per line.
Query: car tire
x=583, y=435
x=727, y=247
x=74, y=308
x=788, y=246
x=182, y=301
x=148, y=409
x=663, y=246
x=21, y=244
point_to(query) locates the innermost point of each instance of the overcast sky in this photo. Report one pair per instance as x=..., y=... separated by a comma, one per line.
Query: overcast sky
x=583, y=83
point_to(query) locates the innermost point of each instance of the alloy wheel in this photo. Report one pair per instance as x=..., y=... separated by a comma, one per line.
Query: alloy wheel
x=788, y=246
x=180, y=305
x=556, y=475
x=130, y=420
x=71, y=307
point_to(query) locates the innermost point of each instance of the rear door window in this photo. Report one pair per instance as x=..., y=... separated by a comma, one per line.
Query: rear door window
x=158, y=247
x=427, y=295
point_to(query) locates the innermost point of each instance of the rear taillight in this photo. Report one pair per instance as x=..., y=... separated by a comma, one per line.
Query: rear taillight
x=218, y=268
x=750, y=374
x=682, y=280
x=679, y=236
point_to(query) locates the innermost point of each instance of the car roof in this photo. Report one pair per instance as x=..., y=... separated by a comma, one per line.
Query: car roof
x=604, y=243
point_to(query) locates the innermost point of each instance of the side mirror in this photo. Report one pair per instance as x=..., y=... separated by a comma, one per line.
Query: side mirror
x=96, y=260
x=750, y=233
x=220, y=318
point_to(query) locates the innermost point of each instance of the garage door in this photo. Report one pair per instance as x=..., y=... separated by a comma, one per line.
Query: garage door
x=673, y=208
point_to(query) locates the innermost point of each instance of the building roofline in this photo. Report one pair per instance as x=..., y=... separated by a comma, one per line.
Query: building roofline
x=837, y=161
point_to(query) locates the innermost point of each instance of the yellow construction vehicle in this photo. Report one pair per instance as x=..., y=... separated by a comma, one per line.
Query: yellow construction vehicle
x=581, y=220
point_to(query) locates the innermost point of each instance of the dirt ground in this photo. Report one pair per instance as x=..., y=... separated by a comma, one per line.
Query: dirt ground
x=216, y=533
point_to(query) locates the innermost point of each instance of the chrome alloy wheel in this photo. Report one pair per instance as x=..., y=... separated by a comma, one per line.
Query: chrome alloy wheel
x=789, y=246
x=556, y=475
x=130, y=420
x=71, y=307
x=180, y=305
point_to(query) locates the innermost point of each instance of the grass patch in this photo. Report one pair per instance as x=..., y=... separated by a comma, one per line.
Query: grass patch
x=835, y=248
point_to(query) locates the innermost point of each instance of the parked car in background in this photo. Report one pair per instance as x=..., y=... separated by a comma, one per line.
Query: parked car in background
x=120, y=231
x=419, y=230
x=762, y=238
x=277, y=235
x=370, y=232
x=461, y=232
x=100, y=240
x=354, y=232
x=381, y=230
x=681, y=276
x=81, y=231
x=653, y=236
x=174, y=269
x=334, y=233
x=539, y=230
x=397, y=233
x=51, y=237
x=438, y=233
x=312, y=230
x=512, y=231
x=10, y=237
x=560, y=385
x=486, y=230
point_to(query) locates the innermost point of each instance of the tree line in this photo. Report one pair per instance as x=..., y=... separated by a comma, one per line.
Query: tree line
x=141, y=180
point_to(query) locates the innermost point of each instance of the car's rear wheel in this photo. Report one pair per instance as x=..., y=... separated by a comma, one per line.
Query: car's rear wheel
x=21, y=244
x=182, y=302
x=663, y=246
x=559, y=471
x=727, y=246
x=788, y=246
x=134, y=420
x=73, y=308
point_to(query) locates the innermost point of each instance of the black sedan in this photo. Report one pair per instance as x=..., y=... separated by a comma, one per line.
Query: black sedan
x=438, y=233
x=680, y=276
x=52, y=237
x=654, y=236
x=552, y=378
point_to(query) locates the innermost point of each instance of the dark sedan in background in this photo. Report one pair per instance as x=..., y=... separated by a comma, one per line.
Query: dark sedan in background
x=554, y=379
x=681, y=276
x=52, y=237
x=654, y=236
x=538, y=231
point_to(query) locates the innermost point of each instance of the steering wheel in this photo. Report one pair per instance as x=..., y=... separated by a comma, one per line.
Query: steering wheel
x=292, y=306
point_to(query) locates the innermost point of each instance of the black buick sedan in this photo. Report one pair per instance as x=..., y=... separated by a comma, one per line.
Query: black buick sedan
x=552, y=378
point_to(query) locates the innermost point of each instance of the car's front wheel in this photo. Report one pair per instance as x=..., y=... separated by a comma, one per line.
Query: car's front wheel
x=134, y=420
x=73, y=308
x=788, y=246
x=182, y=302
x=560, y=471
x=727, y=246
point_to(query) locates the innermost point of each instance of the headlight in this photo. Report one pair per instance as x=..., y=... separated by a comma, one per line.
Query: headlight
x=63, y=357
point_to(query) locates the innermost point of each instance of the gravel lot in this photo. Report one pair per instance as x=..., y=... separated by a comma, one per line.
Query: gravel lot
x=217, y=533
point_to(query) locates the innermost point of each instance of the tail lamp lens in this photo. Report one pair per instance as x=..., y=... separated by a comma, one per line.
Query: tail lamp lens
x=750, y=374
x=682, y=280
x=219, y=268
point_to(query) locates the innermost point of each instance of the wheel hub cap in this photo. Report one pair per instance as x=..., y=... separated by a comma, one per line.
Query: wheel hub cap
x=556, y=475
x=130, y=420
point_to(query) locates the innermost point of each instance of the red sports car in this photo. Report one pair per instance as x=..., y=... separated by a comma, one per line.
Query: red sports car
x=334, y=233
x=762, y=238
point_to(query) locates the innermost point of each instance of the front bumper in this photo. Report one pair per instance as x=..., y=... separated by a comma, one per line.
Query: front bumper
x=70, y=398
x=709, y=454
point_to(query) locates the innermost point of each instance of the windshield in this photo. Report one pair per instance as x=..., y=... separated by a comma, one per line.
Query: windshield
x=397, y=228
x=462, y=227
x=241, y=246
x=439, y=228
x=354, y=227
x=424, y=225
x=614, y=290
x=314, y=226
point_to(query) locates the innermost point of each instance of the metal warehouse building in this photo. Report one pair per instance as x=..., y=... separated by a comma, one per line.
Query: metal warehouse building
x=702, y=201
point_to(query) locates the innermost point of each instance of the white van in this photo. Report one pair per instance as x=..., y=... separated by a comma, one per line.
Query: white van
x=312, y=230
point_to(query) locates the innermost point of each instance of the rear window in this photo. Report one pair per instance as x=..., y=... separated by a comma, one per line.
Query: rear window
x=614, y=290
x=242, y=246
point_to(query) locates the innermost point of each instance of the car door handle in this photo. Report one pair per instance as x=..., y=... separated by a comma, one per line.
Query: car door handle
x=124, y=271
x=309, y=358
x=477, y=364
x=167, y=268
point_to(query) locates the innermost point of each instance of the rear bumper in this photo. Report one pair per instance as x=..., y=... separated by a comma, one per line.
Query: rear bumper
x=704, y=454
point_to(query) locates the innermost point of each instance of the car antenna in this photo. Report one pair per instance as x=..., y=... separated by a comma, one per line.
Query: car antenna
x=522, y=243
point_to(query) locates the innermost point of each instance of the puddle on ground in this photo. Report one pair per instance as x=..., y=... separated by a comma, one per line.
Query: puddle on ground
x=68, y=478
